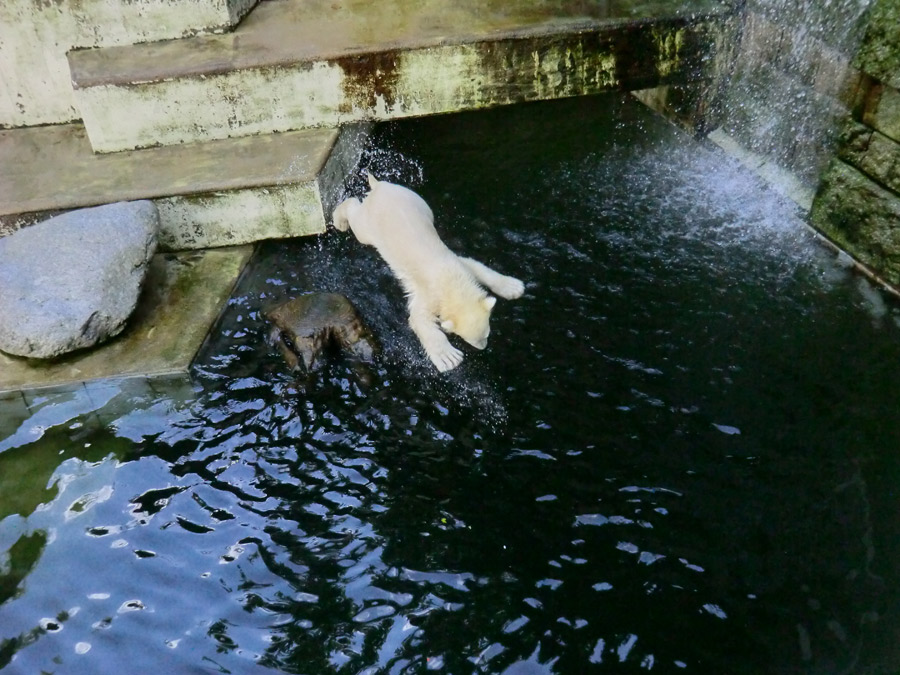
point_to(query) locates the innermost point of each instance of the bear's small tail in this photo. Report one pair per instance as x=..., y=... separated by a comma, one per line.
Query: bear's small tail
x=372, y=180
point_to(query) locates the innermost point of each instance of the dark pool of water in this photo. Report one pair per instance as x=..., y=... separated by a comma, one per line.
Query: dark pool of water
x=678, y=453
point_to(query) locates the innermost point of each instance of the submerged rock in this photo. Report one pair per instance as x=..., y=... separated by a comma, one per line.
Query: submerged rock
x=72, y=281
x=304, y=327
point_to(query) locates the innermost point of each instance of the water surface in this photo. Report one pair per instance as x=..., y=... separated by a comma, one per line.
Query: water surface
x=678, y=453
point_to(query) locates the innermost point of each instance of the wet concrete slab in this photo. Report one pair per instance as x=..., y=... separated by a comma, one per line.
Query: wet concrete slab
x=183, y=296
x=297, y=64
x=224, y=192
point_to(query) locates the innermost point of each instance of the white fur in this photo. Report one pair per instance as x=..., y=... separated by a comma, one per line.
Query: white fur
x=442, y=289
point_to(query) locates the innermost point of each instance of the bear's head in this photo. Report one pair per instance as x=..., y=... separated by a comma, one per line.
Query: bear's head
x=471, y=321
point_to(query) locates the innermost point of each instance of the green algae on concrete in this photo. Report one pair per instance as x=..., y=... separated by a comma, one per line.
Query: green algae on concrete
x=697, y=105
x=296, y=64
x=182, y=298
x=858, y=201
x=881, y=108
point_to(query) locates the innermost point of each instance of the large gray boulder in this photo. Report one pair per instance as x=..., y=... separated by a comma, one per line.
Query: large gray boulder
x=72, y=281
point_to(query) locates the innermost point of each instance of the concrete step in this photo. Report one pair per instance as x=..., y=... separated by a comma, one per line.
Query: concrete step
x=296, y=64
x=35, y=84
x=219, y=193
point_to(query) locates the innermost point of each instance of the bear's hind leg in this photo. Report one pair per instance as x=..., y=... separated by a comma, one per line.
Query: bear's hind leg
x=504, y=286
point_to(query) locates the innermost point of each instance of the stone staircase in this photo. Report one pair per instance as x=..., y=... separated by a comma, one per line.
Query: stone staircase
x=243, y=135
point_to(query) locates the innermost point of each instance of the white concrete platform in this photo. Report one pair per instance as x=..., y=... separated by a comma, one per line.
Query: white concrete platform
x=35, y=83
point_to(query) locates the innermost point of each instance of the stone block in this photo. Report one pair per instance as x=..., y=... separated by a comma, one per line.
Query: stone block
x=871, y=152
x=879, y=54
x=860, y=216
x=881, y=108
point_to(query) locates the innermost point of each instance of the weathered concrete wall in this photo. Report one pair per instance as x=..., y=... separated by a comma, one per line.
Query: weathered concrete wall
x=35, y=83
x=858, y=201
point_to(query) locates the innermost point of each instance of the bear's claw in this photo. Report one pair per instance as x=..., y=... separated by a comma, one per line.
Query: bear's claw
x=446, y=359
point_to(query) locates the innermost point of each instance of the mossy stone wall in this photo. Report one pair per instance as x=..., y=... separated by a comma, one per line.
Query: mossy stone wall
x=858, y=200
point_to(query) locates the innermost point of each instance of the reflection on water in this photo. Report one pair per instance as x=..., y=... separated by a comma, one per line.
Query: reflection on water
x=677, y=453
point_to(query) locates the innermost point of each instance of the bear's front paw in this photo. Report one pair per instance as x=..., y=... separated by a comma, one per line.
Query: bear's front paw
x=446, y=358
x=509, y=288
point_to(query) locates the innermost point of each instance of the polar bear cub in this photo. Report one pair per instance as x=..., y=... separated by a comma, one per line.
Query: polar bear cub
x=444, y=291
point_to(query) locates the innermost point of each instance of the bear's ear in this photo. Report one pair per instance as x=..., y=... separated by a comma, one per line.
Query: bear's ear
x=448, y=325
x=489, y=302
